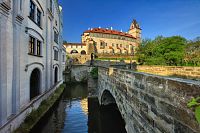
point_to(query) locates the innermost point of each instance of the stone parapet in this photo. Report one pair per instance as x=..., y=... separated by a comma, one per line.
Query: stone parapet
x=178, y=71
x=150, y=103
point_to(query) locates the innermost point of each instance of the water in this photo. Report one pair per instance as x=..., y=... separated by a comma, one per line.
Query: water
x=75, y=113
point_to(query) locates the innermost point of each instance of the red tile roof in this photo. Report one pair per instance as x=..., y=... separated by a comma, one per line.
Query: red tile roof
x=108, y=31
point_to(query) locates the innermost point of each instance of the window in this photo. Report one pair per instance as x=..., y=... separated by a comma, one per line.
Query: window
x=38, y=48
x=20, y=5
x=56, y=55
x=113, y=44
x=71, y=46
x=56, y=22
x=51, y=6
x=63, y=57
x=120, y=45
x=31, y=45
x=102, y=45
x=35, y=47
x=35, y=14
x=32, y=11
x=38, y=17
x=55, y=37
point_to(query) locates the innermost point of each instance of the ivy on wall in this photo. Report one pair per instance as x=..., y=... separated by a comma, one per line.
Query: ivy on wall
x=195, y=103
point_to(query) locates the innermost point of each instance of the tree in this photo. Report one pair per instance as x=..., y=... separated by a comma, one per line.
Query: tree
x=162, y=51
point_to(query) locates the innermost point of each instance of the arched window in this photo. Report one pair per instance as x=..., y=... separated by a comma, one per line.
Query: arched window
x=56, y=75
x=83, y=52
x=35, y=80
x=74, y=52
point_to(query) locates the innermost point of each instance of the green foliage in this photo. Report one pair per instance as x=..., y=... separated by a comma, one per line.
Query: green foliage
x=94, y=72
x=197, y=113
x=162, y=51
x=195, y=103
x=192, y=53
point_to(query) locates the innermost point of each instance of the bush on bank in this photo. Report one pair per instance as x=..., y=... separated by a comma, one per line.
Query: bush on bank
x=169, y=51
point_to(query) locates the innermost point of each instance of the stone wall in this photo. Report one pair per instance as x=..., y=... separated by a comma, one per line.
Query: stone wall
x=79, y=73
x=92, y=84
x=79, y=59
x=189, y=72
x=15, y=121
x=150, y=103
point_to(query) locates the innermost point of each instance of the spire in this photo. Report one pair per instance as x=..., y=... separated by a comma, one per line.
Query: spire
x=134, y=25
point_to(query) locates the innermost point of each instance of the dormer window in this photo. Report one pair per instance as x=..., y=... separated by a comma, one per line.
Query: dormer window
x=32, y=10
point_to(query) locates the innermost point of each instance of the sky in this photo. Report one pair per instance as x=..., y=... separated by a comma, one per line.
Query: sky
x=155, y=17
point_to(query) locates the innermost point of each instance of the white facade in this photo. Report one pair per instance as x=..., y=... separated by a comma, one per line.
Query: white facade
x=31, y=53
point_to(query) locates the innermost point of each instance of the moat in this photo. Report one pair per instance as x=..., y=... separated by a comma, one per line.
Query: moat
x=76, y=113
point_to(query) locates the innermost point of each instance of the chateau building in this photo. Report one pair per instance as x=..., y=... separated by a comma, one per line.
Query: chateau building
x=108, y=41
x=32, y=56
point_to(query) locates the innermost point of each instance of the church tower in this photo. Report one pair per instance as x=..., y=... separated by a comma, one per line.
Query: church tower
x=135, y=30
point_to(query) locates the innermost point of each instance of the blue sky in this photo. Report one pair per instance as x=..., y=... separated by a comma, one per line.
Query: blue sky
x=156, y=17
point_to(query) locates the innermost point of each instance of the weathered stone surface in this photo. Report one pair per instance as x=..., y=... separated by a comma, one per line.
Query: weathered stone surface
x=149, y=99
x=151, y=104
x=180, y=128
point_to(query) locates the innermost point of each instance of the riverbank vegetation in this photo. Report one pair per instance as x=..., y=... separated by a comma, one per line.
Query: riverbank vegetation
x=169, y=51
x=32, y=119
x=94, y=72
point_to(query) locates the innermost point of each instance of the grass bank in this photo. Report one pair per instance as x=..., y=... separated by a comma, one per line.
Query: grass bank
x=34, y=117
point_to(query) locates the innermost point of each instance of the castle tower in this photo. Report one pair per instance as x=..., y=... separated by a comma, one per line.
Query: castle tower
x=135, y=30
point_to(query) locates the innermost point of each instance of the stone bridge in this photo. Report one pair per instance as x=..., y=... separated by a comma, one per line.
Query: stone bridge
x=149, y=103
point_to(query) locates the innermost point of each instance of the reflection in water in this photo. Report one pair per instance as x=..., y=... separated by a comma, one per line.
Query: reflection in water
x=75, y=113
x=84, y=106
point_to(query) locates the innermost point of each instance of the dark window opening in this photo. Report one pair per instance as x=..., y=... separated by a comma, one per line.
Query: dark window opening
x=35, y=47
x=35, y=83
x=63, y=58
x=31, y=45
x=38, y=17
x=56, y=75
x=55, y=37
x=102, y=45
x=32, y=10
x=83, y=52
x=56, y=55
x=51, y=6
x=38, y=48
x=74, y=52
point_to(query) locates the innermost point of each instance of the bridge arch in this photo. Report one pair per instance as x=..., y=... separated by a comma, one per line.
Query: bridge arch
x=107, y=98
